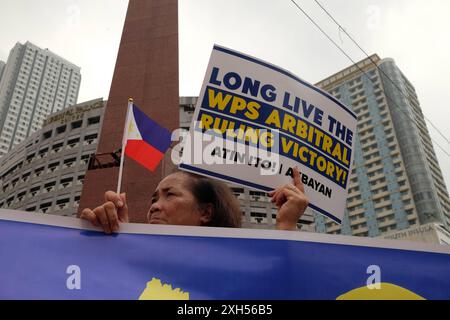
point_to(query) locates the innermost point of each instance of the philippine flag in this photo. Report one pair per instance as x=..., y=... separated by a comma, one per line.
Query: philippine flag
x=145, y=141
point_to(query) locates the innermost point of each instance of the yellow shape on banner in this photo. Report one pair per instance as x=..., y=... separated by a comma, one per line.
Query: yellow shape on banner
x=155, y=290
x=387, y=291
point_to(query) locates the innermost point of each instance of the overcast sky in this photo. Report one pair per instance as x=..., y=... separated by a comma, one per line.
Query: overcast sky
x=413, y=32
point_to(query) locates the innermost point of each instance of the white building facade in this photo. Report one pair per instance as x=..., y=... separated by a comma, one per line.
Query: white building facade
x=45, y=173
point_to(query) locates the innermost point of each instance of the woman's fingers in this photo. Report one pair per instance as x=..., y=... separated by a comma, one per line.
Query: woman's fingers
x=297, y=180
x=275, y=195
x=114, y=198
x=89, y=215
x=123, y=197
x=120, y=201
x=108, y=215
x=286, y=194
x=279, y=196
x=297, y=197
x=291, y=202
x=123, y=211
x=104, y=216
x=297, y=183
x=272, y=194
x=112, y=216
x=100, y=212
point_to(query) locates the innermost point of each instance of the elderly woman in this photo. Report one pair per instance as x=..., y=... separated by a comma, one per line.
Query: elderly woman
x=188, y=199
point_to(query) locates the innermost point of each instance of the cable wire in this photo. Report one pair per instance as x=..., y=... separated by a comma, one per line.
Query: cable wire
x=373, y=62
x=362, y=71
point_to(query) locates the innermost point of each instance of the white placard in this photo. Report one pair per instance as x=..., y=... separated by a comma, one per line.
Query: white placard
x=255, y=121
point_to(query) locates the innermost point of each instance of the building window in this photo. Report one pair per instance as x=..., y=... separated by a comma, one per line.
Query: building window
x=80, y=179
x=26, y=176
x=9, y=201
x=43, y=152
x=69, y=162
x=65, y=183
x=72, y=143
x=62, y=203
x=93, y=120
x=90, y=139
x=77, y=124
x=30, y=158
x=76, y=201
x=14, y=182
x=61, y=129
x=34, y=191
x=56, y=147
x=45, y=207
x=49, y=187
x=38, y=171
x=53, y=166
x=85, y=159
x=47, y=135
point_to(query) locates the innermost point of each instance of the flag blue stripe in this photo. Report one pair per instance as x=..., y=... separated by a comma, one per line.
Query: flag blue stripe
x=151, y=132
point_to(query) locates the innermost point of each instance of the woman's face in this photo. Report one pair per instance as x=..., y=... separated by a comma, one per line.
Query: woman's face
x=173, y=203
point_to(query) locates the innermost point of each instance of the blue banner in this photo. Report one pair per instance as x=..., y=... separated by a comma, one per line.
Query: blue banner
x=45, y=257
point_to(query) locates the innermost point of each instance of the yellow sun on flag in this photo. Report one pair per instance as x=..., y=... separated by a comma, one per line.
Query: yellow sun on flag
x=387, y=291
x=156, y=290
x=131, y=128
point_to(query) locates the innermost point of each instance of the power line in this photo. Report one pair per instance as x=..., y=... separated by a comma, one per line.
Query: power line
x=373, y=62
x=362, y=71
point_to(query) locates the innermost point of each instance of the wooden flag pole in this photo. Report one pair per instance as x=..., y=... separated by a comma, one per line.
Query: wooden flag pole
x=124, y=144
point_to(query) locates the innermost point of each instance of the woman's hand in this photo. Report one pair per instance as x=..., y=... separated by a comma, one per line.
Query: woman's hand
x=108, y=215
x=291, y=202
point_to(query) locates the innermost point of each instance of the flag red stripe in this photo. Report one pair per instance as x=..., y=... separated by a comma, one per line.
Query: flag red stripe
x=143, y=153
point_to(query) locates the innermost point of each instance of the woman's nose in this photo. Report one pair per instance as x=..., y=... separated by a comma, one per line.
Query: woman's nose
x=156, y=206
x=153, y=208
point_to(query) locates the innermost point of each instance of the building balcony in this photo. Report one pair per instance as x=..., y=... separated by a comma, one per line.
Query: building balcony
x=72, y=146
x=384, y=214
x=358, y=221
x=48, y=189
x=359, y=230
x=89, y=142
x=65, y=185
x=333, y=228
x=387, y=223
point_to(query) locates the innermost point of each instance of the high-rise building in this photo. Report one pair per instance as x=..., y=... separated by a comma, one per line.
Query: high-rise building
x=35, y=83
x=396, y=181
x=2, y=68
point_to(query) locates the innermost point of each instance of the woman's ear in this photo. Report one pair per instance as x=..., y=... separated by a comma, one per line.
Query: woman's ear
x=206, y=214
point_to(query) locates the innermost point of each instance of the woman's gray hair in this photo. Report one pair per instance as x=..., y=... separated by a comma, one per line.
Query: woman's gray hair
x=226, y=211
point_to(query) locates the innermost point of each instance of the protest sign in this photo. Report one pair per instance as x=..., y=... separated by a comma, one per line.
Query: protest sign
x=255, y=121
